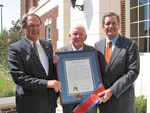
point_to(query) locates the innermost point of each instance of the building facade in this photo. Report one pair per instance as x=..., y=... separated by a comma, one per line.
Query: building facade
x=59, y=15
x=48, y=14
x=139, y=19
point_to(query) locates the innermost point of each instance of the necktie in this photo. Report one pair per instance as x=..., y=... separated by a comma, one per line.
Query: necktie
x=108, y=52
x=36, y=49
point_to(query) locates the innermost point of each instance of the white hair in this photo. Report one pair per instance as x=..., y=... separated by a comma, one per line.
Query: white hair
x=77, y=26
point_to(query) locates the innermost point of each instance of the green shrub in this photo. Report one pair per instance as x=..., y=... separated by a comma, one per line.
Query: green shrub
x=141, y=104
x=7, y=86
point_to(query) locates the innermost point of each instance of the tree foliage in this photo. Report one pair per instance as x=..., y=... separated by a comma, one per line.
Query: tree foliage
x=14, y=32
x=6, y=38
x=7, y=87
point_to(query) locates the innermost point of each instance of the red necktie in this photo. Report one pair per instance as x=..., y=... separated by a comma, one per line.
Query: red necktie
x=108, y=52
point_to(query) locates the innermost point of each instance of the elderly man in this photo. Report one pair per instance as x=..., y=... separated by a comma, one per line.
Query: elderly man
x=77, y=36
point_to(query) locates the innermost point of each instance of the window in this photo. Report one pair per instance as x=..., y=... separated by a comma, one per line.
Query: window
x=148, y=29
x=133, y=3
x=141, y=2
x=149, y=44
x=143, y=12
x=143, y=44
x=133, y=15
x=140, y=23
x=48, y=32
x=134, y=30
x=143, y=29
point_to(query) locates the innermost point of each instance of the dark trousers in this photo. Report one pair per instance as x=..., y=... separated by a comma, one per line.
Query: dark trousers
x=68, y=108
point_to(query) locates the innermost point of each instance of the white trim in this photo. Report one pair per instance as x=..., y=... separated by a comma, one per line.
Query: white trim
x=127, y=13
x=47, y=21
x=45, y=6
x=48, y=32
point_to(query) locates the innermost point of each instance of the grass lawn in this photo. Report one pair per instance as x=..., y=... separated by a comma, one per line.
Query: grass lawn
x=7, y=86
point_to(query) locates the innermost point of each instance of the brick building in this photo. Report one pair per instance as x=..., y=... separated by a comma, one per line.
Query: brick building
x=48, y=17
x=58, y=17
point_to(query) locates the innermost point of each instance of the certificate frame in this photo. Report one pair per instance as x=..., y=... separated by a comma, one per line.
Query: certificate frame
x=85, y=59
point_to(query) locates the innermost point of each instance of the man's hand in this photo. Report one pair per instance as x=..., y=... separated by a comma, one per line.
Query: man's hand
x=105, y=95
x=55, y=59
x=56, y=85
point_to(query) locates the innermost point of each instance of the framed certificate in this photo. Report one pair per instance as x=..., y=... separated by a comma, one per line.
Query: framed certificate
x=79, y=74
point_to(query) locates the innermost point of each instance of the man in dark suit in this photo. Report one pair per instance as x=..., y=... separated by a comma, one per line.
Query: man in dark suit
x=77, y=36
x=31, y=65
x=120, y=71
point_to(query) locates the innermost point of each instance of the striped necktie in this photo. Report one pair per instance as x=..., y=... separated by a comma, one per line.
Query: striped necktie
x=36, y=49
x=108, y=52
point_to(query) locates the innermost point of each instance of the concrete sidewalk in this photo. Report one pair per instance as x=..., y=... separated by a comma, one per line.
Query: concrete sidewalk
x=7, y=100
x=8, y=103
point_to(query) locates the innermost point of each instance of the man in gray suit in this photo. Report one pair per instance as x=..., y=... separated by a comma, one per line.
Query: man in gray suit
x=120, y=72
x=33, y=71
x=77, y=36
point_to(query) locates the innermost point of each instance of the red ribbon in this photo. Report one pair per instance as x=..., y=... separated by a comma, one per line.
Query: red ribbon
x=90, y=101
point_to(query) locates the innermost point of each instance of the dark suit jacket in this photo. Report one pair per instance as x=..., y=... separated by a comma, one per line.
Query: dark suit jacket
x=68, y=108
x=120, y=75
x=32, y=94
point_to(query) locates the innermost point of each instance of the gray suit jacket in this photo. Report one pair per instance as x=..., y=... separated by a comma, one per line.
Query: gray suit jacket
x=32, y=94
x=68, y=108
x=69, y=48
x=120, y=75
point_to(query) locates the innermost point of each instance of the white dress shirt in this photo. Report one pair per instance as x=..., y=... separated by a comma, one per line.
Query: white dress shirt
x=42, y=55
x=74, y=49
x=113, y=42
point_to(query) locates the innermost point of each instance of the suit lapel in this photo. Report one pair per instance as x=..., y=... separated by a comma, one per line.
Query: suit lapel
x=29, y=49
x=26, y=44
x=32, y=55
x=46, y=48
x=102, y=48
x=86, y=47
x=116, y=51
x=49, y=54
x=68, y=48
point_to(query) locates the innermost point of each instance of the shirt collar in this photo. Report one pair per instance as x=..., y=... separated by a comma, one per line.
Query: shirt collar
x=74, y=49
x=113, y=41
x=31, y=42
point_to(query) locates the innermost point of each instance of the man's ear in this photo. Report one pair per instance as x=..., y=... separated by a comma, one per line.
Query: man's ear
x=85, y=37
x=69, y=36
x=102, y=26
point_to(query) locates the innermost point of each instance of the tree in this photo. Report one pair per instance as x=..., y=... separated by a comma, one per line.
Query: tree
x=16, y=26
x=8, y=37
x=14, y=32
x=7, y=87
x=3, y=48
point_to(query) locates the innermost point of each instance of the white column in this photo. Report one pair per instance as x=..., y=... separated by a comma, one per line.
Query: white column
x=127, y=18
x=148, y=103
x=63, y=22
x=148, y=88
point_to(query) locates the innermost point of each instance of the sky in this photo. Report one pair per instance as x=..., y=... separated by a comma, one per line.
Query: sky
x=10, y=12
